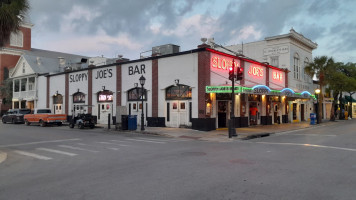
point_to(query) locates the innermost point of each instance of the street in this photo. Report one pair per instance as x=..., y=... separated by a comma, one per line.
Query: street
x=61, y=163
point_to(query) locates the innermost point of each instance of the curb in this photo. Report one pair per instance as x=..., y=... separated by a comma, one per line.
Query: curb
x=3, y=157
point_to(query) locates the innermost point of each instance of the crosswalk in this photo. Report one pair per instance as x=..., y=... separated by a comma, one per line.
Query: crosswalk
x=72, y=148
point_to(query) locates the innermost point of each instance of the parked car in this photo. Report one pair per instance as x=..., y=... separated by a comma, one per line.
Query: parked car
x=44, y=116
x=15, y=115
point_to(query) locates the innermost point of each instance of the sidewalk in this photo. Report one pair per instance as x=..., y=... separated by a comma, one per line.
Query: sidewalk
x=222, y=134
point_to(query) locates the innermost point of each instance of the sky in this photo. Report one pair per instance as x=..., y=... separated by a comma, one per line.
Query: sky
x=116, y=27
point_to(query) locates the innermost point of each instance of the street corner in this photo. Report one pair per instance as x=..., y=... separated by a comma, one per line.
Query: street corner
x=3, y=156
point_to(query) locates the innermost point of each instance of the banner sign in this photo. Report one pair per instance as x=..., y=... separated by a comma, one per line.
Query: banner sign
x=222, y=89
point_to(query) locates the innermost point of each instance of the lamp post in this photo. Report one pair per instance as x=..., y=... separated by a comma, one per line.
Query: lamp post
x=142, y=82
x=317, y=92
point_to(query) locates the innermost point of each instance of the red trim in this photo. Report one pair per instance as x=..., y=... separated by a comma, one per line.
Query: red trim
x=244, y=59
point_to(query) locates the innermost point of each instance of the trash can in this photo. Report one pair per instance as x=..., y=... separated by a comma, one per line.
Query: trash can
x=312, y=118
x=132, y=122
x=124, y=122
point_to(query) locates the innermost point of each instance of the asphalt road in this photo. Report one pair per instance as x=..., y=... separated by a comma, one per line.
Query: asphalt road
x=62, y=163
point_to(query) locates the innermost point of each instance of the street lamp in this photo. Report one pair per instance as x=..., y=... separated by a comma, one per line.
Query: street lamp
x=317, y=92
x=142, y=82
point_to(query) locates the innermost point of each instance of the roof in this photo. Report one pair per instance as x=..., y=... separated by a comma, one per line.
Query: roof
x=297, y=36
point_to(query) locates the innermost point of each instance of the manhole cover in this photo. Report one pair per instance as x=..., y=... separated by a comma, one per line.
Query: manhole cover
x=193, y=154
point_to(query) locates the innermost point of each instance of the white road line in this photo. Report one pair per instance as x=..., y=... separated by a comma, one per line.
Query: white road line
x=57, y=151
x=122, y=145
x=97, y=146
x=33, y=155
x=316, y=135
x=309, y=145
x=77, y=148
x=40, y=142
x=120, y=141
x=161, y=140
x=146, y=141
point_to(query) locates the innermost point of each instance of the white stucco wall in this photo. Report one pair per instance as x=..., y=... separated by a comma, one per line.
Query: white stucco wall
x=41, y=92
x=131, y=74
x=184, y=68
x=77, y=81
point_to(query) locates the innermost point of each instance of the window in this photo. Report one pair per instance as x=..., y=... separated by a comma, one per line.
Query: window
x=16, y=39
x=306, y=76
x=31, y=83
x=275, y=61
x=296, y=66
x=135, y=94
x=17, y=86
x=6, y=73
x=23, y=84
x=78, y=97
x=179, y=92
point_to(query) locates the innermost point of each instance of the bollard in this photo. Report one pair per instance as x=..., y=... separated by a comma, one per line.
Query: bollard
x=109, y=121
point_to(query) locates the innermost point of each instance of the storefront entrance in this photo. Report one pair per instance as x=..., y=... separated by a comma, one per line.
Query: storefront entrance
x=104, y=109
x=57, y=108
x=179, y=115
x=222, y=113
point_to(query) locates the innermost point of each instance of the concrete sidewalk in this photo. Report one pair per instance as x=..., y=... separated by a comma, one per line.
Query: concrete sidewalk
x=222, y=134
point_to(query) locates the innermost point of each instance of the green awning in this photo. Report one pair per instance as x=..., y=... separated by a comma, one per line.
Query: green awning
x=349, y=99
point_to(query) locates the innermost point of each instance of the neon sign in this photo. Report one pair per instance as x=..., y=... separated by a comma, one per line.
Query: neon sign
x=256, y=71
x=277, y=76
x=222, y=63
x=261, y=89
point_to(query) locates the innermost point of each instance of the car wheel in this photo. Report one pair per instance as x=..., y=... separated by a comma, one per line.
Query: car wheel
x=42, y=123
x=27, y=123
x=3, y=121
x=81, y=125
x=59, y=123
x=92, y=126
x=71, y=125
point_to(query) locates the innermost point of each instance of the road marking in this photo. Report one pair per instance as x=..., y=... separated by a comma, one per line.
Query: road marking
x=33, y=155
x=146, y=141
x=57, y=151
x=297, y=130
x=120, y=141
x=309, y=145
x=316, y=135
x=41, y=142
x=77, y=148
x=97, y=146
x=123, y=145
x=162, y=140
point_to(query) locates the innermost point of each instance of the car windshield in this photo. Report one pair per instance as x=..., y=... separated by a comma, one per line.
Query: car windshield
x=27, y=111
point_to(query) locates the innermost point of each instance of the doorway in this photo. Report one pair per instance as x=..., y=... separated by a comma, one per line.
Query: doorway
x=57, y=108
x=178, y=113
x=222, y=113
x=302, y=117
x=104, y=109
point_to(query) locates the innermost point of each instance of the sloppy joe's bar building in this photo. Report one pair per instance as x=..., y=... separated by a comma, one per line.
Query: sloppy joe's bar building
x=182, y=89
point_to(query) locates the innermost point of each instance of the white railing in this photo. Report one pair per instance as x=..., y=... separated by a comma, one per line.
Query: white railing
x=24, y=95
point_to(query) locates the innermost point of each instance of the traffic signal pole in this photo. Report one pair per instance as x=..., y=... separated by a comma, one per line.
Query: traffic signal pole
x=232, y=130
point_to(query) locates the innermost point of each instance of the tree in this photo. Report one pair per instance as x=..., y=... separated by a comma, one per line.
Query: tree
x=320, y=67
x=12, y=13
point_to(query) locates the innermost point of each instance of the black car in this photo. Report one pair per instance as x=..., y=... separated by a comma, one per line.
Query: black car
x=15, y=115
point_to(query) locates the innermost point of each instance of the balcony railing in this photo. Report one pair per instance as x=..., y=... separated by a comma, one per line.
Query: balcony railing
x=25, y=95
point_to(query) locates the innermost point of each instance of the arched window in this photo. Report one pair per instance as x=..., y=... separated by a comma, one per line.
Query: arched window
x=57, y=99
x=296, y=66
x=178, y=92
x=16, y=39
x=105, y=96
x=135, y=94
x=78, y=97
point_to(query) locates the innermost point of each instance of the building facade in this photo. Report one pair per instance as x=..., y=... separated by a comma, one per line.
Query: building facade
x=182, y=89
x=291, y=51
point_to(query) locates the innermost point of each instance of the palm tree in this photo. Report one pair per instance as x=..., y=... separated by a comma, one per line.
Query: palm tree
x=321, y=67
x=12, y=13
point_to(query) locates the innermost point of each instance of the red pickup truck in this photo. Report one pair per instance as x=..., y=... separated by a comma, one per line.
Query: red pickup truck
x=44, y=117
